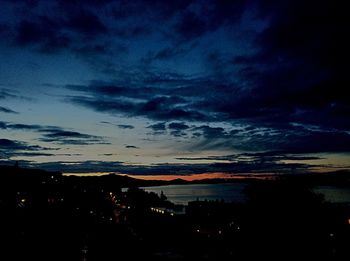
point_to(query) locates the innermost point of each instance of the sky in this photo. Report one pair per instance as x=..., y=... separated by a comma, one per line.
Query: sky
x=175, y=87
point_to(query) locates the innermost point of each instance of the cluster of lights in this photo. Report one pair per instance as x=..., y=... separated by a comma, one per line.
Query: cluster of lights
x=158, y=210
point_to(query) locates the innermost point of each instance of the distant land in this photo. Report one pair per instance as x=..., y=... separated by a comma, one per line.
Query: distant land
x=18, y=174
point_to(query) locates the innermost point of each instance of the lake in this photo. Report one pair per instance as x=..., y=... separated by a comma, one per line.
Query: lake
x=182, y=194
x=232, y=192
x=334, y=194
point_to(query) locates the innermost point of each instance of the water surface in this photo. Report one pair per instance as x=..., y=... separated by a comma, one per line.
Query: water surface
x=233, y=192
x=182, y=194
x=334, y=194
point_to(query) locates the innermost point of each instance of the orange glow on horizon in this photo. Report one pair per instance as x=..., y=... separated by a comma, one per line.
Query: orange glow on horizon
x=86, y=174
x=192, y=177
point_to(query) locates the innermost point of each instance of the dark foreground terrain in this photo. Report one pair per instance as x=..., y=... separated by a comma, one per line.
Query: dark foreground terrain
x=47, y=216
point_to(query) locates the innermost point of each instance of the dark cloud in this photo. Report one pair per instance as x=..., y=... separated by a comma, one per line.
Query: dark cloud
x=191, y=25
x=12, y=148
x=66, y=27
x=9, y=94
x=317, y=142
x=157, y=126
x=64, y=134
x=121, y=126
x=209, y=16
x=160, y=103
x=56, y=134
x=174, y=97
x=232, y=168
x=41, y=154
x=108, y=154
x=168, y=53
x=94, y=3
x=178, y=126
x=77, y=167
x=131, y=147
x=290, y=139
x=42, y=34
x=27, y=3
x=177, y=129
x=157, y=108
x=52, y=26
x=94, y=49
x=7, y=110
x=298, y=73
x=271, y=156
x=153, y=10
x=71, y=137
x=32, y=154
x=18, y=126
x=125, y=126
x=211, y=132
x=165, y=97
x=132, y=32
x=86, y=23
x=16, y=145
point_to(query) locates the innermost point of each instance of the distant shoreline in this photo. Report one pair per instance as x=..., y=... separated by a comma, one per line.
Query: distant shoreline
x=337, y=178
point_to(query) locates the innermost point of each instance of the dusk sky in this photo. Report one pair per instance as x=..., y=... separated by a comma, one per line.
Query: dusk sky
x=159, y=87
